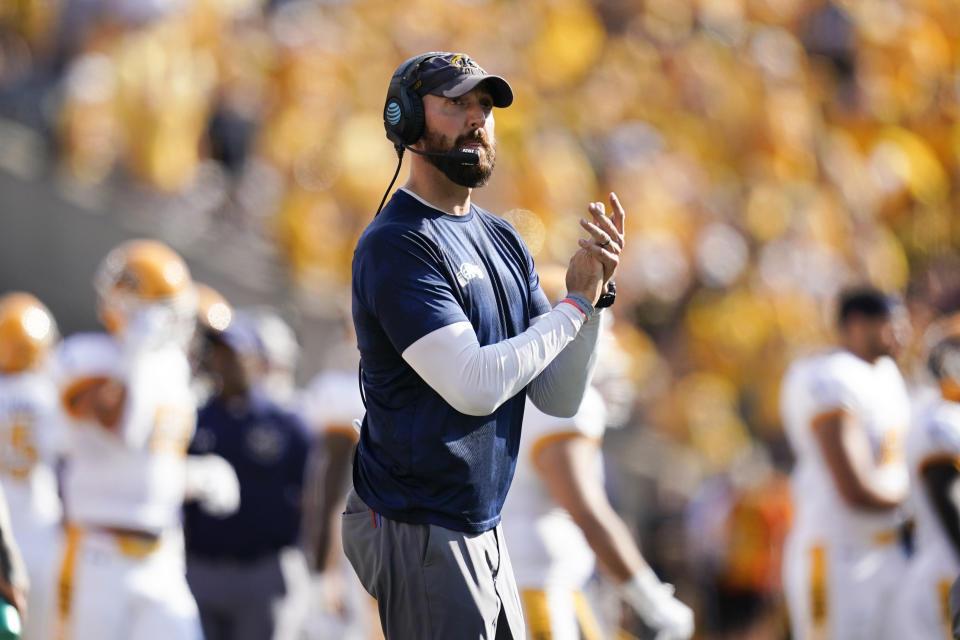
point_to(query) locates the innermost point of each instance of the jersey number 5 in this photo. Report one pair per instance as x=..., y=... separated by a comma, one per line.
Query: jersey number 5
x=18, y=455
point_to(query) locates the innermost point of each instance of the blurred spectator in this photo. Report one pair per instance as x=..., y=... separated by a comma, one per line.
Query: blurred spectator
x=246, y=570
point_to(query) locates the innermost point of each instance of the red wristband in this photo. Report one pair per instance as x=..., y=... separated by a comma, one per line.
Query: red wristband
x=576, y=306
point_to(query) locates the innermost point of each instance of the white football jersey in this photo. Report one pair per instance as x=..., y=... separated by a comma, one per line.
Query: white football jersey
x=331, y=402
x=934, y=437
x=30, y=437
x=131, y=476
x=547, y=548
x=876, y=394
x=922, y=607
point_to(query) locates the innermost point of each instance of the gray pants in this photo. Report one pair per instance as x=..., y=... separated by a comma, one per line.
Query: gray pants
x=431, y=582
x=261, y=600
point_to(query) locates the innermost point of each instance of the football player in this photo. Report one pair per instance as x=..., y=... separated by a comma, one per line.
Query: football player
x=29, y=447
x=131, y=412
x=933, y=456
x=332, y=403
x=846, y=415
x=559, y=522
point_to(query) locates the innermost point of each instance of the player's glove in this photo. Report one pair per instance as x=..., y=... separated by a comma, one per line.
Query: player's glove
x=655, y=603
x=212, y=482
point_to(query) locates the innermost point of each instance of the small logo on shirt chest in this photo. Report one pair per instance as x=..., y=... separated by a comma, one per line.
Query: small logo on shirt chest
x=467, y=273
x=265, y=444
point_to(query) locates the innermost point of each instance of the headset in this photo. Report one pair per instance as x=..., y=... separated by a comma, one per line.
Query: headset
x=403, y=116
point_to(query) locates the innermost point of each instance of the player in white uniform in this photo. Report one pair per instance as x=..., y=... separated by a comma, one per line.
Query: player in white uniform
x=29, y=441
x=132, y=414
x=933, y=457
x=846, y=414
x=559, y=523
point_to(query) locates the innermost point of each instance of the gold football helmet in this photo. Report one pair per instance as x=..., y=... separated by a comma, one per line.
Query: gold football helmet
x=145, y=282
x=27, y=332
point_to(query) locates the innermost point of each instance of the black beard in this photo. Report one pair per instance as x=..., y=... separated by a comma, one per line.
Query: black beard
x=465, y=175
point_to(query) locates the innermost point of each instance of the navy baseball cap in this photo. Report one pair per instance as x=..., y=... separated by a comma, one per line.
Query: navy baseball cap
x=453, y=74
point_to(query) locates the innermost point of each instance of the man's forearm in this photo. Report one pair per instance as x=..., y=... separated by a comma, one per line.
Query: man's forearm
x=559, y=388
x=476, y=380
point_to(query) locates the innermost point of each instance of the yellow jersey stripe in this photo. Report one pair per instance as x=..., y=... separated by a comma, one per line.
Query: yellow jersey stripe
x=537, y=613
x=67, y=579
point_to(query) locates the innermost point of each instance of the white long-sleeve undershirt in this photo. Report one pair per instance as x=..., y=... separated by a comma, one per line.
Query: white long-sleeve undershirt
x=555, y=356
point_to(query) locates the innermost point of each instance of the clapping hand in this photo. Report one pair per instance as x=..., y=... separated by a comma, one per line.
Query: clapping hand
x=605, y=243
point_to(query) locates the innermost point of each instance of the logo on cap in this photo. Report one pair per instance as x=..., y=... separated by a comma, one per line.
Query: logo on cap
x=393, y=113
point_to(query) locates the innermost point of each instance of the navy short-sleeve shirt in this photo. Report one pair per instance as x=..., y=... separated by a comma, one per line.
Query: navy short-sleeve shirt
x=415, y=270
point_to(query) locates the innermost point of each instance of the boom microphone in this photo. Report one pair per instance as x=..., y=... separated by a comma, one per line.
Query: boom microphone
x=466, y=156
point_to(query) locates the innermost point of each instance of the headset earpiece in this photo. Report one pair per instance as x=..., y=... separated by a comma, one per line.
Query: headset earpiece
x=403, y=117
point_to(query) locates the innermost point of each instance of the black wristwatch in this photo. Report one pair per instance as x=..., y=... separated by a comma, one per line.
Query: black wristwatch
x=607, y=297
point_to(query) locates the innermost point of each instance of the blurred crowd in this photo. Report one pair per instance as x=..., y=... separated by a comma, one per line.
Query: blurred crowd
x=768, y=152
